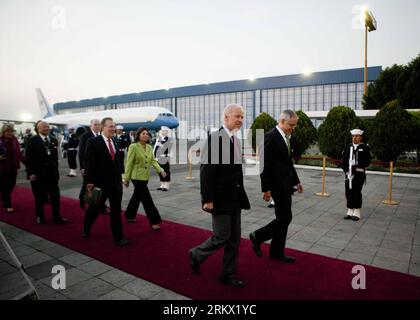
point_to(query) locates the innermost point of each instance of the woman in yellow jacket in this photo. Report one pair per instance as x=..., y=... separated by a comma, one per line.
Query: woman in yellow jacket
x=137, y=169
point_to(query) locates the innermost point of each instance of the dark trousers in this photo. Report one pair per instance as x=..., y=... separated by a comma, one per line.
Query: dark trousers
x=114, y=197
x=276, y=230
x=122, y=154
x=167, y=168
x=42, y=189
x=227, y=234
x=354, y=195
x=83, y=190
x=7, y=184
x=71, y=159
x=142, y=194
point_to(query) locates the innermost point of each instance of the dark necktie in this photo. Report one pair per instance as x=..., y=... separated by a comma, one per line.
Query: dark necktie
x=47, y=146
x=234, y=149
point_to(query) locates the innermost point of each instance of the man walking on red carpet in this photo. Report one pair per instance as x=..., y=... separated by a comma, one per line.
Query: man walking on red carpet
x=278, y=181
x=95, y=130
x=103, y=171
x=42, y=171
x=223, y=195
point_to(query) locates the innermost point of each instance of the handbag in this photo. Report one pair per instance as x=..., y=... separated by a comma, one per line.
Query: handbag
x=93, y=197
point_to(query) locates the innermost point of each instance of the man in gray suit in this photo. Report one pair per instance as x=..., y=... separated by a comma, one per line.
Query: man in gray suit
x=223, y=195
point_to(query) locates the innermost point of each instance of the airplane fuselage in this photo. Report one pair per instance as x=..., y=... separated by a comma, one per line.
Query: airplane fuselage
x=151, y=118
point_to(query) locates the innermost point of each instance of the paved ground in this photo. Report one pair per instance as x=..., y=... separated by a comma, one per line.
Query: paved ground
x=387, y=236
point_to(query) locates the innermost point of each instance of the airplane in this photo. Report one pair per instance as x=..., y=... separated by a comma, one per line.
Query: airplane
x=151, y=118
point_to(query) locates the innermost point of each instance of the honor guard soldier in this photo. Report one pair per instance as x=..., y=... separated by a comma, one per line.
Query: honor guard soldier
x=71, y=146
x=356, y=158
x=124, y=142
x=161, y=153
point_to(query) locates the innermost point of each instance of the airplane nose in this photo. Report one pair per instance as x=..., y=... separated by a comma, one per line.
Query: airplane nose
x=174, y=122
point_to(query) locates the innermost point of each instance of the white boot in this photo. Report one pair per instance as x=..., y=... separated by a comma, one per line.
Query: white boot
x=356, y=214
x=349, y=215
x=165, y=186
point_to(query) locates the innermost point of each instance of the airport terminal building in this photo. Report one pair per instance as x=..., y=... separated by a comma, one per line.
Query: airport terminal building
x=200, y=106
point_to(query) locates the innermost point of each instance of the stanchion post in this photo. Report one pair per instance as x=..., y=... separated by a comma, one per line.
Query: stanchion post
x=189, y=177
x=323, y=193
x=389, y=201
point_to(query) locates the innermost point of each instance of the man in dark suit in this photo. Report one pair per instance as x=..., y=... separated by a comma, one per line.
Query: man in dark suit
x=103, y=171
x=278, y=181
x=42, y=171
x=95, y=130
x=223, y=195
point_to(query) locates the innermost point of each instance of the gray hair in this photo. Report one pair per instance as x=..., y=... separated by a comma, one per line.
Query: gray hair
x=93, y=121
x=229, y=108
x=287, y=115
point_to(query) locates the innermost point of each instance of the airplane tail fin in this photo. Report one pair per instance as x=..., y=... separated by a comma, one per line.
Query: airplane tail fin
x=46, y=110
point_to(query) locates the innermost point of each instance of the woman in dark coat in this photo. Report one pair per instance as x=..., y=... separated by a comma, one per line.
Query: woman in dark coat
x=10, y=158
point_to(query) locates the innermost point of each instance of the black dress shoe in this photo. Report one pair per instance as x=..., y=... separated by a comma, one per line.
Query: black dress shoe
x=354, y=218
x=40, y=220
x=232, y=282
x=160, y=188
x=106, y=210
x=347, y=217
x=164, y=189
x=86, y=235
x=271, y=205
x=195, y=265
x=284, y=258
x=122, y=242
x=61, y=221
x=82, y=205
x=256, y=246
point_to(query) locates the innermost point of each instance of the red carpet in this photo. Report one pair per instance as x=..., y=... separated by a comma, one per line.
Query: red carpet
x=162, y=258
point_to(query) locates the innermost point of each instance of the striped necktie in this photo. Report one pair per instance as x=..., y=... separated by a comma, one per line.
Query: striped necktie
x=288, y=143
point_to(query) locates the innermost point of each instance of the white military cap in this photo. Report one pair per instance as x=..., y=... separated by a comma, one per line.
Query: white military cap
x=356, y=132
x=119, y=127
x=164, y=128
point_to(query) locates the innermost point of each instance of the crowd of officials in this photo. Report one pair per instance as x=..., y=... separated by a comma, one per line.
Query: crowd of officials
x=101, y=152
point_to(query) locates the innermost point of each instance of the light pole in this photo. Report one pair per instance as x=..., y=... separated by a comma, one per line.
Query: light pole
x=370, y=25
